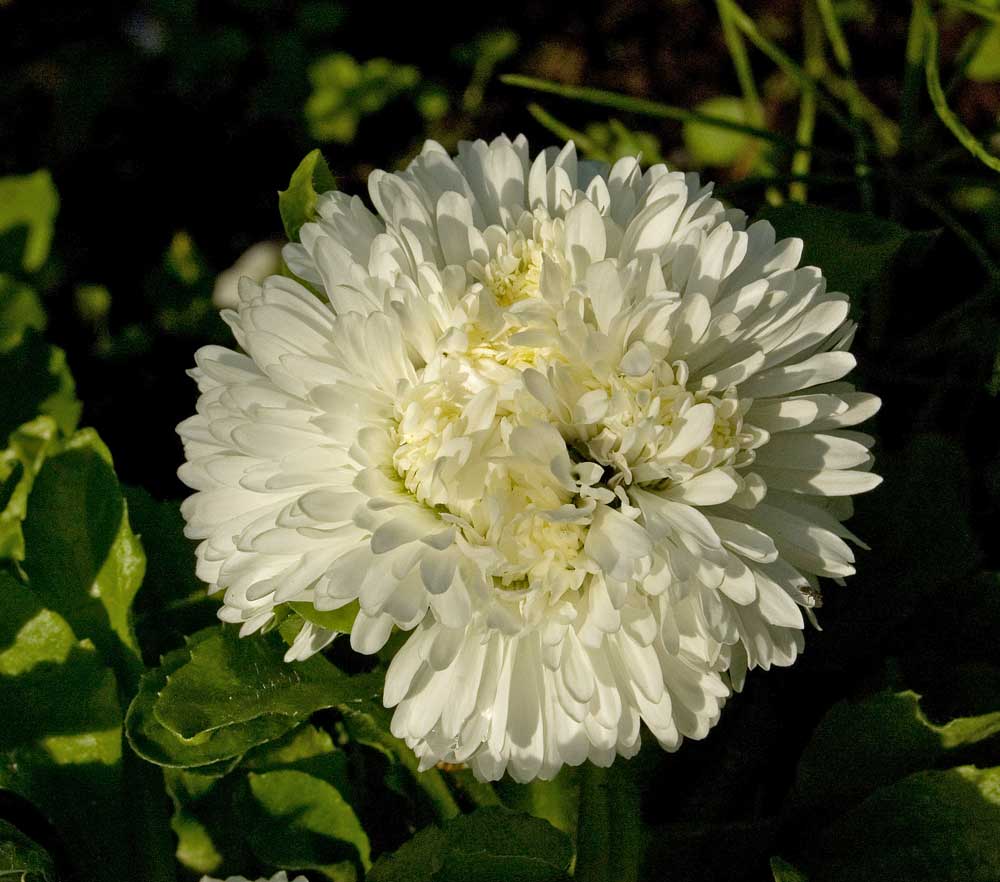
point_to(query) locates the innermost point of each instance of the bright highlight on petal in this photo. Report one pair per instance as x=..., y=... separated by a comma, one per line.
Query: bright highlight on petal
x=578, y=430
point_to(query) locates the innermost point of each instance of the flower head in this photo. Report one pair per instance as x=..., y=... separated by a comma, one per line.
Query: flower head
x=579, y=430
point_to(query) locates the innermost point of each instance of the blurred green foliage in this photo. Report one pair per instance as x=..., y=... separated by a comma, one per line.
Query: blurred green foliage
x=867, y=130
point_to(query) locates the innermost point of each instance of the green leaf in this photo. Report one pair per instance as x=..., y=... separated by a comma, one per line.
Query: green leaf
x=862, y=745
x=555, y=801
x=36, y=381
x=297, y=204
x=62, y=747
x=785, y=872
x=489, y=844
x=217, y=751
x=985, y=64
x=853, y=250
x=228, y=681
x=19, y=463
x=30, y=202
x=303, y=822
x=22, y=859
x=173, y=601
x=936, y=826
x=20, y=309
x=708, y=144
x=81, y=556
x=341, y=620
x=368, y=724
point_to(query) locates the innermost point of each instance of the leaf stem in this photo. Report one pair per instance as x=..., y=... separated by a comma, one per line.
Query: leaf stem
x=609, y=829
x=936, y=91
x=567, y=133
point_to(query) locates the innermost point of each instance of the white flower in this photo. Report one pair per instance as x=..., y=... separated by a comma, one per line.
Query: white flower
x=574, y=427
x=277, y=877
x=258, y=262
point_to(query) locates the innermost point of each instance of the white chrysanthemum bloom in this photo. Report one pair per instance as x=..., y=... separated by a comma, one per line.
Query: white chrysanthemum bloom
x=277, y=877
x=574, y=427
x=259, y=261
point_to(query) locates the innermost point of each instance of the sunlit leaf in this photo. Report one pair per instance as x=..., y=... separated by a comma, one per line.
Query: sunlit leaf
x=303, y=822
x=297, y=204
x=82, y=558
x=30, y=202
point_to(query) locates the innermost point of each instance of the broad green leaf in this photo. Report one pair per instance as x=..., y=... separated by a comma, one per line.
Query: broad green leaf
x=19, y=463
x=230, y=681
x=62, y=747
x=985, y=64
x=210, y=821
x=36, y=381
x=555, y=801
x=861, y=745
x=710, y=145
x=20, y=309
x=341, y=620
x=489, y=844
x=81, y=556
x=303, y=822
x=22, y=859
x=935, y=826
x=173, y=601
x=853, y=250
x=215, y=752
x=297, y=204
x=30, y=202
x=368, y=724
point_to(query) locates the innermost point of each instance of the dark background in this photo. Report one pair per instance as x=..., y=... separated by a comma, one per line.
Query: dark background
x=158, y=118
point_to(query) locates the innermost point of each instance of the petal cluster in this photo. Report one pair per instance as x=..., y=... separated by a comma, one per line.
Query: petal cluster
x=578, y=429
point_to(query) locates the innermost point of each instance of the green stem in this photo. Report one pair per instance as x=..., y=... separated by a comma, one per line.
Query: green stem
x=912, y=80
x=609, y=829
x=974, y=8
x=750, y=30
x=753, y=106
x=646, y=107
x=835, y=34
x=814, y=65
x=567, y=133
x=937, y=95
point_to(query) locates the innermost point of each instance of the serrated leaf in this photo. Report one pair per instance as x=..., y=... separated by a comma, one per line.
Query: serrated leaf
x=853, y=250
x=20, y=310
x=36, y=381
x=81, y=556
x=230, y=681
x=489, y=844
x=215, y=753
x=297, y=204
x=555, y=801
x=934, y=826
x=861, y=745
x=32, y=203
x=22, y=859
x=303, y=822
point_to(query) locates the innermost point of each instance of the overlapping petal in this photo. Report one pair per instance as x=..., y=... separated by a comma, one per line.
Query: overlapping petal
x=578, y=429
